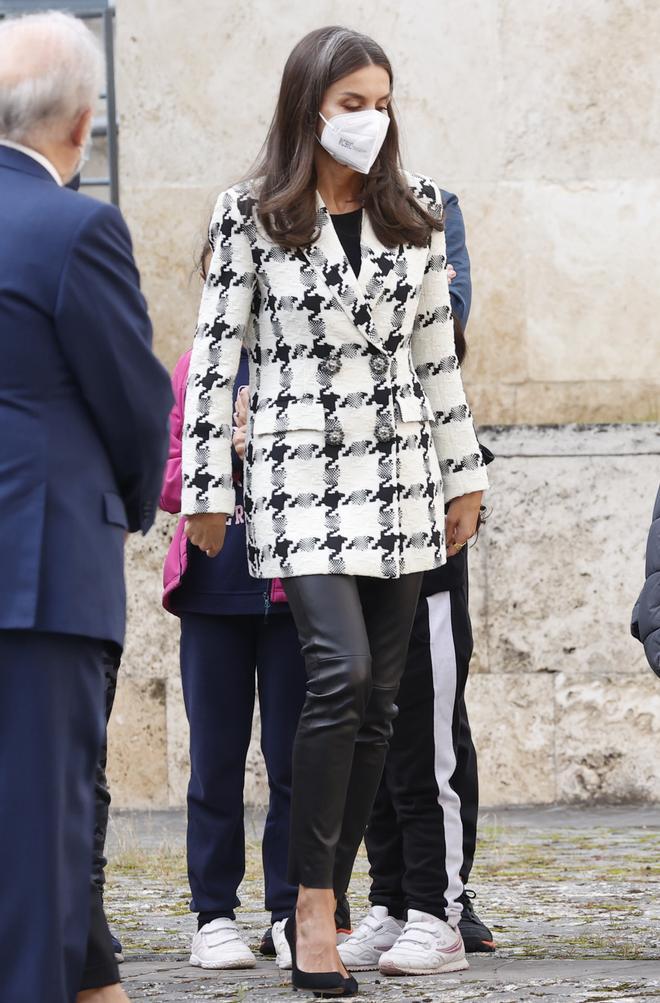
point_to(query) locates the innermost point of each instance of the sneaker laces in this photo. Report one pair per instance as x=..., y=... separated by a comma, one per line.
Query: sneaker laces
x=466, y=900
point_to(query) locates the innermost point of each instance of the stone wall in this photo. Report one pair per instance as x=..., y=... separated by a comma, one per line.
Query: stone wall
x=544, y=117
x=563, y=705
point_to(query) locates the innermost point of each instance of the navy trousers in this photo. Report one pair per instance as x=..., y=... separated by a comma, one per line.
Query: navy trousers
x=51, y=728
x=219, y=656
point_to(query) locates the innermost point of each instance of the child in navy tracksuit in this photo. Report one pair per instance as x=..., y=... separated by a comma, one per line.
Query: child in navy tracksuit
x=231, y=626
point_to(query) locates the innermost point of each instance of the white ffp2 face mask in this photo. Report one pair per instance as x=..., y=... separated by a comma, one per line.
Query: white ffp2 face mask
x=355, y=138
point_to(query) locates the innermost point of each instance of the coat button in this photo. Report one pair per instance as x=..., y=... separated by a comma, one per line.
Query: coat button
x=334, y=437
x=330, y=366
x=384, y=432
x=378, y=365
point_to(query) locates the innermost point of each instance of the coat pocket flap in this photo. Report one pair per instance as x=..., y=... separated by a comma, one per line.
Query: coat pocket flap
x=115, y=510
x=289, y=417
x=413, y=404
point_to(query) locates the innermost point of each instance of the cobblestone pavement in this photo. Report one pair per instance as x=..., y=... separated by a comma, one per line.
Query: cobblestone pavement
x=571, y=896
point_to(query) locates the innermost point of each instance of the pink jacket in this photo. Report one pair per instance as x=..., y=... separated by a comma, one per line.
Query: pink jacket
x=170, y=499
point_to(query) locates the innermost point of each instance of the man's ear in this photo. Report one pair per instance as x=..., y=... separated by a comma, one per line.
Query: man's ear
x=81, y=128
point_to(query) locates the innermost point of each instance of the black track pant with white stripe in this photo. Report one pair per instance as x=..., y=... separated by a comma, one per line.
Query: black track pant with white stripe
x=422, y=833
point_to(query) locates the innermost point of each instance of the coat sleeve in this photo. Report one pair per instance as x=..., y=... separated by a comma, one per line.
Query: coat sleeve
x=103, y=329
x=460, y=290
x=436, y=365
x=170, y=497
x=223, y=322
x=646, y=614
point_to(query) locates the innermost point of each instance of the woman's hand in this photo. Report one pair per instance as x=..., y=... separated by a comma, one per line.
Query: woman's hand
x=206, y=530
x=240, y=421
x=238, y=441
x=461, y=521
x=242, y=407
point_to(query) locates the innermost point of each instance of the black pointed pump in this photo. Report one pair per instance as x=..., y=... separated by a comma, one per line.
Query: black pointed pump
x=322, y=984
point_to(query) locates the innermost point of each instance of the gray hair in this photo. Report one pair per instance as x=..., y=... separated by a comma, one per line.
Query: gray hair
x=51, y=70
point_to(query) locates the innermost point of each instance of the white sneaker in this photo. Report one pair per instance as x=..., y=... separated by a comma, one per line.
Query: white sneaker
x=377, y=932
x=218, y=945
x=282, y=949
x=427, y=946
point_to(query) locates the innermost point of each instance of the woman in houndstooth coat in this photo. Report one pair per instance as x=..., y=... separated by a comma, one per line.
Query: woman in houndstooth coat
x=331, y=269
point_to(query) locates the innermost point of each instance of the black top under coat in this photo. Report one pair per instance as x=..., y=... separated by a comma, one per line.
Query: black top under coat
x=348, y=226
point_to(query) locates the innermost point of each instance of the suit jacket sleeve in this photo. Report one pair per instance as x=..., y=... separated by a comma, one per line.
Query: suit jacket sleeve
x=436, y=365
x=104, y=332
x=460, y=289
x=224, y=317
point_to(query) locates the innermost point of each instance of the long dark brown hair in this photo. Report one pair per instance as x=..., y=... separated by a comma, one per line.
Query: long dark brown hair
x=459, y=341
x=287, y=191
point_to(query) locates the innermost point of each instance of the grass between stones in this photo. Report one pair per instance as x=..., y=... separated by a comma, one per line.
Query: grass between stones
x=561, y=894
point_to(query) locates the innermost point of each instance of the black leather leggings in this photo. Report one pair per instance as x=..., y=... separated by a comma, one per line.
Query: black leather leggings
x=354, y=634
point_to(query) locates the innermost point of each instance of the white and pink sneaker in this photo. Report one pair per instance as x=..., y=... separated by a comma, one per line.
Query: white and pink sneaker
x=427, y=946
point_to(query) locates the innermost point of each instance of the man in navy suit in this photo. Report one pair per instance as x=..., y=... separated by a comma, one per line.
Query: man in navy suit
x=83, y=440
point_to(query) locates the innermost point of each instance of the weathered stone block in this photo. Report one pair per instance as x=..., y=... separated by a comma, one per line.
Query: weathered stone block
x=565, y=548
x=137, y=743
x=512, y=717
x=586, y=402
x=582, y=323
x=562, y=216
x=608, y=734
x=497, y=330
x=492, y=404
x=180, y=216
x=575, y=78
x=152, y=638
x=178, y=743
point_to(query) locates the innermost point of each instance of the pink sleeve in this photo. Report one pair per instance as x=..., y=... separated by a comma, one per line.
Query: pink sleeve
x=170, y=498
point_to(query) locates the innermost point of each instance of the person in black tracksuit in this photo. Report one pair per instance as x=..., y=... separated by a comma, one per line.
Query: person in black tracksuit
x=421, y=837
x=423, y=828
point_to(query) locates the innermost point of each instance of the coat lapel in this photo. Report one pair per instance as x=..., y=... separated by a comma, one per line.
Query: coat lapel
x=392, y=275
x=354, y=295
x=379, y=264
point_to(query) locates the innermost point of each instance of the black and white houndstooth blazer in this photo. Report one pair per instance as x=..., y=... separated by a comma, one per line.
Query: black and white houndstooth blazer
x=359, y=428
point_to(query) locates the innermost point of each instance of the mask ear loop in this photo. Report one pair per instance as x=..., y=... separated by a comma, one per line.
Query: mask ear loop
x=329, y=124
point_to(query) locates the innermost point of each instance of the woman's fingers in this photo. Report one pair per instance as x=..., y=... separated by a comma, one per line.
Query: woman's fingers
x=461, y=536
x=451, y=525
x=459, y=528
x=238, y=442
x=207, y=531
x=242, y=407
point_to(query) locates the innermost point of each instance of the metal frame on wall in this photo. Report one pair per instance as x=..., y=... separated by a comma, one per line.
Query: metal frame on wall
x=103, y=10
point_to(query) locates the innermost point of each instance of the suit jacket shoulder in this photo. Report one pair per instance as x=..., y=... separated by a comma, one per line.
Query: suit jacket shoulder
x=71, y=210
